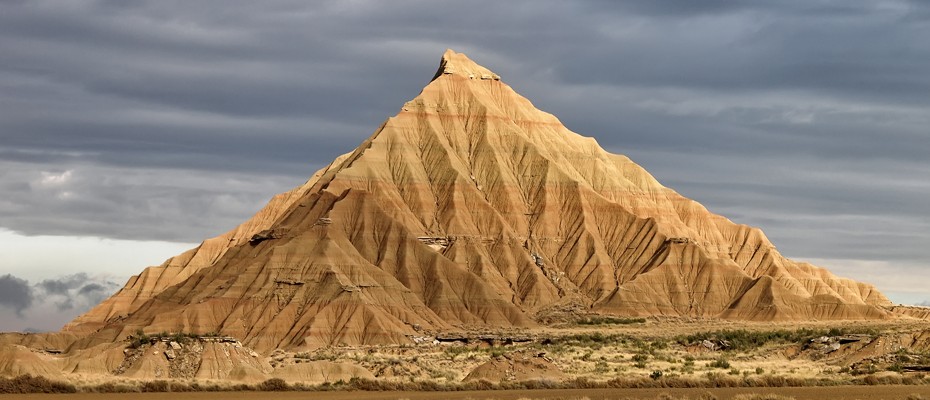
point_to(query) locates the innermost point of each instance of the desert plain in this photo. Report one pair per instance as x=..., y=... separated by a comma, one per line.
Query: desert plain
x=594, y=358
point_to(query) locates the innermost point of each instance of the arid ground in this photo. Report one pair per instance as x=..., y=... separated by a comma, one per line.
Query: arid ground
x=803, y=393
x=807, y=353
x=617, y=358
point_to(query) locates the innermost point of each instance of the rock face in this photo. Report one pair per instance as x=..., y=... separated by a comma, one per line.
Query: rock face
x=470, y=208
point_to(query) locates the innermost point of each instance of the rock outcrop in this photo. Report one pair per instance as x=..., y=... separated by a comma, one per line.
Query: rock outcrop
x=469, y=208
x=516, y=367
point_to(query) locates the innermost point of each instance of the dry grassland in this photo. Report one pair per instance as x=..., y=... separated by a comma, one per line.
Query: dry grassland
x=804, y=393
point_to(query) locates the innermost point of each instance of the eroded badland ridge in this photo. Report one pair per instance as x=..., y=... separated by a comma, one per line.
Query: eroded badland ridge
x=468, y=211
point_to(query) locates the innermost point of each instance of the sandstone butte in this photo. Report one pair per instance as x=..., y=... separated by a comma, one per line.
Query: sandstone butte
x=470, y=209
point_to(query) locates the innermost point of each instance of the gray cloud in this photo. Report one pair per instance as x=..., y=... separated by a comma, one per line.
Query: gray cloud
x=860, y=49
x=74, y=291
x=175, y=120
x=93, y=291
x=46, y=305
x=15, y=293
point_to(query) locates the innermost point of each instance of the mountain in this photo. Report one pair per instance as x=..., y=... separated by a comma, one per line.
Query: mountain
x=470, y=209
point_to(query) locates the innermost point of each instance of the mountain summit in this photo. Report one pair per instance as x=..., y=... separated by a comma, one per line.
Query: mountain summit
x=470, y=209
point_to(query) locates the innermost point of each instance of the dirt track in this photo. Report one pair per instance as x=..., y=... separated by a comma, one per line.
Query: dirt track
x=802, y=393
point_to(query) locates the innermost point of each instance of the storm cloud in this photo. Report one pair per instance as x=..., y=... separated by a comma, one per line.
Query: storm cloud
x=176, y=120
x=15, y=293
x=78, y=291
x=48, y=304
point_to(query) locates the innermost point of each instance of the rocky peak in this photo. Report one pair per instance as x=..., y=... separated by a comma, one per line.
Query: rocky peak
x=459, y=64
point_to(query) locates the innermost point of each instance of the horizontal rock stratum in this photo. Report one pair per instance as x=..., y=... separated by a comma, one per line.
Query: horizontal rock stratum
x=470, y=209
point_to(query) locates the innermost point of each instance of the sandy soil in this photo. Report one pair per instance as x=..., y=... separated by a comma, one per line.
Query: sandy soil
x=801, y=393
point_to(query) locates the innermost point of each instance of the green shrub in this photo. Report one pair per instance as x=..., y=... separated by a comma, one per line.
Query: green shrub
x=742, y=340
x=721, y=363
x=610, y=321
x=497, y=352
x=139, y=339
x=274, y=385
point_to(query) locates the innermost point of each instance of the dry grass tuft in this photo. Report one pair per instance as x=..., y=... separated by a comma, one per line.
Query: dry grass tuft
x=761, y=397
x=34, y=384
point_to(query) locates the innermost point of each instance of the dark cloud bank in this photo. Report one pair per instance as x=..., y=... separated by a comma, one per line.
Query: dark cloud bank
x=175, y=120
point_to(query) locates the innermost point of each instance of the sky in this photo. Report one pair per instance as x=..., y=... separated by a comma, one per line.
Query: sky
x=131, y=131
